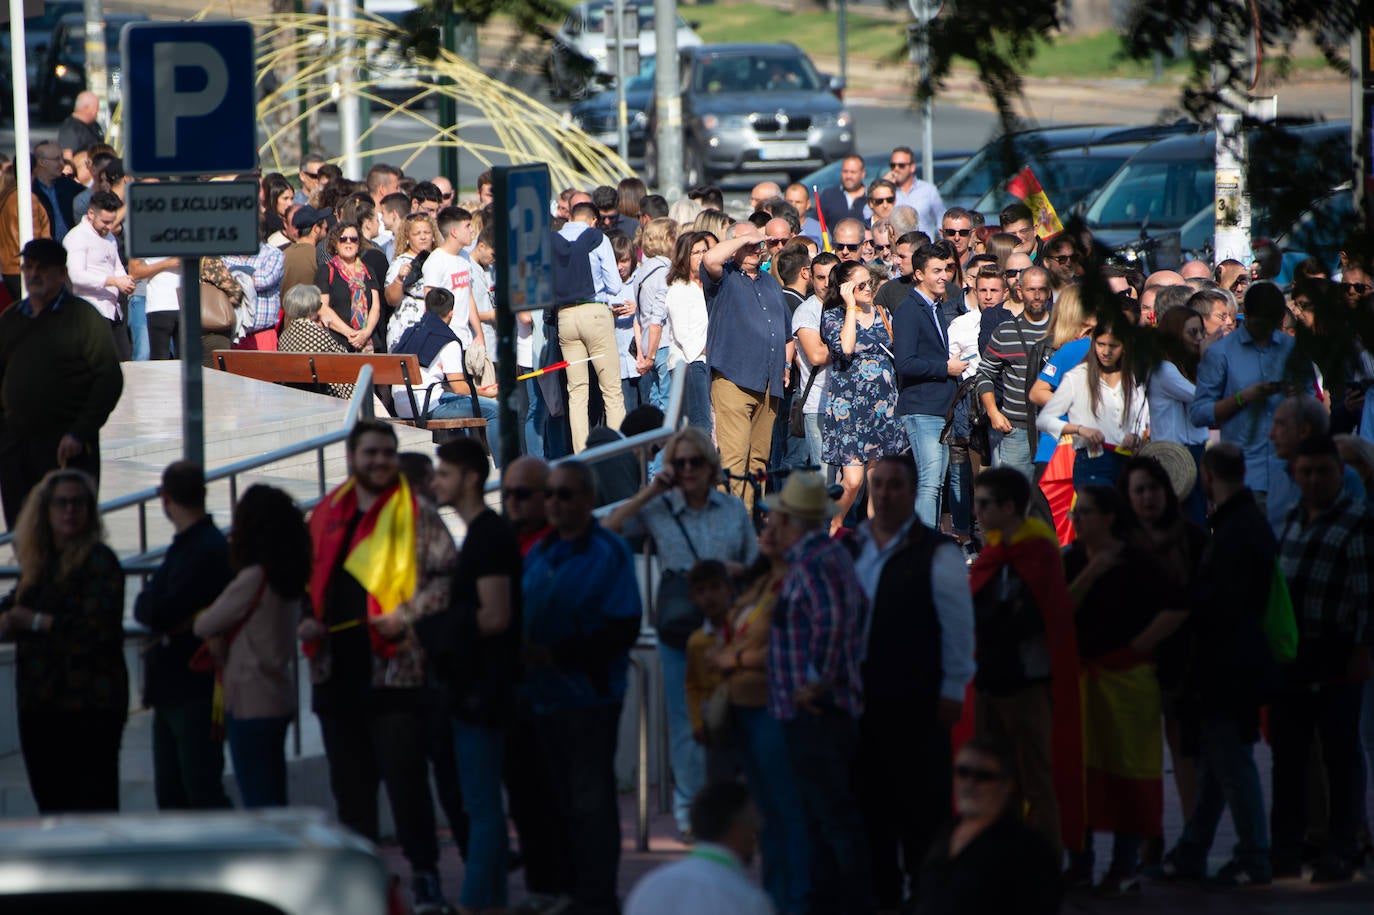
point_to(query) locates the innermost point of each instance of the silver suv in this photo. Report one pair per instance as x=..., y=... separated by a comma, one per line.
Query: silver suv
x=755, y=108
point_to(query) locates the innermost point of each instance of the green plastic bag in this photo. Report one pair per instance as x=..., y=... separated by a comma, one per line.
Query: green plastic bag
x=1280, y=628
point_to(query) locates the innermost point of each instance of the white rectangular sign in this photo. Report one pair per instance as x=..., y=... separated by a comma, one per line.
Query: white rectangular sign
x=192, y=218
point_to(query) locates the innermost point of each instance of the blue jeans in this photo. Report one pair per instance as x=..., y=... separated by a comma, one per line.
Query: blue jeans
x=1095, y=471
x=138, y=327
x=480, y=753
x=961, y=497
x=532, y=415
x=1227, y=777
x=783, y=843
x=932, y=458
x=689, y=763
x=815, y=444
x=1014, y=450
x=257, y=747
x=696, y=396
x=459, y=406
x=654, y=384
x=821, y=750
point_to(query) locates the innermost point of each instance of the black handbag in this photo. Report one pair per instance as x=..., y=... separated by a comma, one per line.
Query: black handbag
x=678, y=617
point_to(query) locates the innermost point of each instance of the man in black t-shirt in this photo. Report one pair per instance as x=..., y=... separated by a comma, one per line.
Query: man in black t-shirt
x=479, y=661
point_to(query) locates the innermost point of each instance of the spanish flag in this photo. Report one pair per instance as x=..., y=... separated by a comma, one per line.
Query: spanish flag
x=1024, y=186
x=1123, y=744
x=820, y=217
x=380, y=555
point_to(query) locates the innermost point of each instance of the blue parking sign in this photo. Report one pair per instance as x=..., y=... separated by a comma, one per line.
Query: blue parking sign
x=522, y=216
x=190, y=99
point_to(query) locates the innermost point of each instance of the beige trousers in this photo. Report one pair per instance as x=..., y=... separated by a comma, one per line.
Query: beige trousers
x=744, y=431
x=589, y=330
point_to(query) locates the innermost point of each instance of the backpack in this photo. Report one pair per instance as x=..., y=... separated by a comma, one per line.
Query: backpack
x=246, y=312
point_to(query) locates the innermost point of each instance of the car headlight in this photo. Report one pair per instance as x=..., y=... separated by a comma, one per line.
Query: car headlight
x=724, y=121
x=640, y=119
x=832, y=119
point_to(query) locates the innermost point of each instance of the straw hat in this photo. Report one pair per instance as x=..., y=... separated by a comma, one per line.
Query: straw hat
x=804, y=496
x=1177, y=462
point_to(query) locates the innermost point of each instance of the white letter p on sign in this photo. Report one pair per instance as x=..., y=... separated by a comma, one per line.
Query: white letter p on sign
x=171, y=105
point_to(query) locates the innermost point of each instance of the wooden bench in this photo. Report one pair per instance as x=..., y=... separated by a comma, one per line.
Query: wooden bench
x=320, y=369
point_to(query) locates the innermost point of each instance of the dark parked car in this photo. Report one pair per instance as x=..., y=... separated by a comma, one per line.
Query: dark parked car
x=754, y=108
x=37, y=34
x=991, y=167
x=1160, y=203
x=63, y=73
x=596, y=116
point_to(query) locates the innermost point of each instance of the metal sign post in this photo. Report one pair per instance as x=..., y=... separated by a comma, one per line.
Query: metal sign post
x=622, y=41
x=667, y=102
x=524, y=273
x=190, y=109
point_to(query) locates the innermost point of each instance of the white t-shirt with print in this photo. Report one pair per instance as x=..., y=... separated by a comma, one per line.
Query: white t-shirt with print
x=454, y=273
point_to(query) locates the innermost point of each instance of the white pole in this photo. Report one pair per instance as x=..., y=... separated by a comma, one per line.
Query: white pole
x=667, y=100
x=344, y=12
x=97, y=70
x=19, y=82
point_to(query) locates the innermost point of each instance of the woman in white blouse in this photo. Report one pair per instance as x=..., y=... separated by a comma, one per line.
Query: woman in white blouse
x=686, y=305
x=1170, y=387
x=1106, y=409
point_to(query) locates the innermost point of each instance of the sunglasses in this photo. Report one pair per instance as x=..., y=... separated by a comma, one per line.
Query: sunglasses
x=841, y=246
x=1060, y=259
x=1012, y=274
x=879, y=201
x=695, y=462
x=977, y=775
x=900, y=164
x=1360, y=288
x=448, y=196
x=885, y=249
x=775, y=242
x=864, y=285
x=962, y=233
x=348, y=239
x=311, y=175
x=517, y=493
x=562, y=493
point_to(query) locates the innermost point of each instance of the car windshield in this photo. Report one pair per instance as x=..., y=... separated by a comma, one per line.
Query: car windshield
x=981, y=173
x=596, y=18
x=1167, y=192
x=75, y=43
x=645, y=80
x=755, y=73
x=1066, y=180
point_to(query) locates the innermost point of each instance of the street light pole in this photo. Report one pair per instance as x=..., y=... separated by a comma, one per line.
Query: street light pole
x=918, y=42
x=667, y=100
x=97, y=73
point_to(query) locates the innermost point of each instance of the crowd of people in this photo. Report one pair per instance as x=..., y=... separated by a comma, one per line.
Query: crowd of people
x=1031, y=518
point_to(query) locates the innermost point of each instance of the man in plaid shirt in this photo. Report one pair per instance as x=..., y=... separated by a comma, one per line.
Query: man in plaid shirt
x=814, y=689
x=1327, y=544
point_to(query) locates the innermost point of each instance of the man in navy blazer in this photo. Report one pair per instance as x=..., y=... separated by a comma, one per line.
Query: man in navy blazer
x=927, y=376
x=849, y=199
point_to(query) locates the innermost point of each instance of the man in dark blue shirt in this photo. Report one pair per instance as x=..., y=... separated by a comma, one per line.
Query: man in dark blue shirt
x=746, y=344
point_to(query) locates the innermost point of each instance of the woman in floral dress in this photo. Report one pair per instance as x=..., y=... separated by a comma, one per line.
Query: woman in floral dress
x=860, y=422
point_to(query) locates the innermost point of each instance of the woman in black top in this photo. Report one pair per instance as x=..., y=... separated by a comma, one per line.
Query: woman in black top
x=67, y=616
x=1177, y=544
x=350, y=294
x=1124, y=606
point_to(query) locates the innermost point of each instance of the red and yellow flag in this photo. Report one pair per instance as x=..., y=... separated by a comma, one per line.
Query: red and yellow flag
x=383, y=555
x=1025, y=186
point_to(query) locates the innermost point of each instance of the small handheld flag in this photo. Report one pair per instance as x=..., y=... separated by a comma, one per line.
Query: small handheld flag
x=820, y=216
x=1023, y=185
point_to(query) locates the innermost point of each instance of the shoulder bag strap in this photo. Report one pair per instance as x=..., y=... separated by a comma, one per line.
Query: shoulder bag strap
x=682, y=527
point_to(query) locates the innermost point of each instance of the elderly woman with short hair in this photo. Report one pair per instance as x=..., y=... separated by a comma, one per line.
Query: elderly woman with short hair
x=304, y=332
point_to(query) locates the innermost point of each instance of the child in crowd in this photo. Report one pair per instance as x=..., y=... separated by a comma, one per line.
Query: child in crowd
x=713, y=593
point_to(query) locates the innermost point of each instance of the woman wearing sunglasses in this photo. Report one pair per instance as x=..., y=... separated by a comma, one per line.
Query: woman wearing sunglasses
x=690, y=519
x=350, y=299
x=859, y=424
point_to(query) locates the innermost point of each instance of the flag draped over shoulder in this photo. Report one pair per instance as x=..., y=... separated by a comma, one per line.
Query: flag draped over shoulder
x=381, y=554
x=1024, y=186
x=1033, y=552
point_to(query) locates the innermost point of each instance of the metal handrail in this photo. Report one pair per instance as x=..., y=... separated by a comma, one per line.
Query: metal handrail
x=359, y=406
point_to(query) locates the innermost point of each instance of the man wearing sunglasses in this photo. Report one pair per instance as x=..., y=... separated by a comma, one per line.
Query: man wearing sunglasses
x=582, y=612
x=1062, y=260
x=921, y=196
x=882, y=198
x=957, y=228
x=310, y=177
x=848, y=239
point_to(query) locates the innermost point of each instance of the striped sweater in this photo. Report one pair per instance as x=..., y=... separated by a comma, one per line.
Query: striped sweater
x=1003, y=368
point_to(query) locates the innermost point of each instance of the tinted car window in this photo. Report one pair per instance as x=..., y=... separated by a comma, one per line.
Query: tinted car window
x=1167, y=192
x=755, y=73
